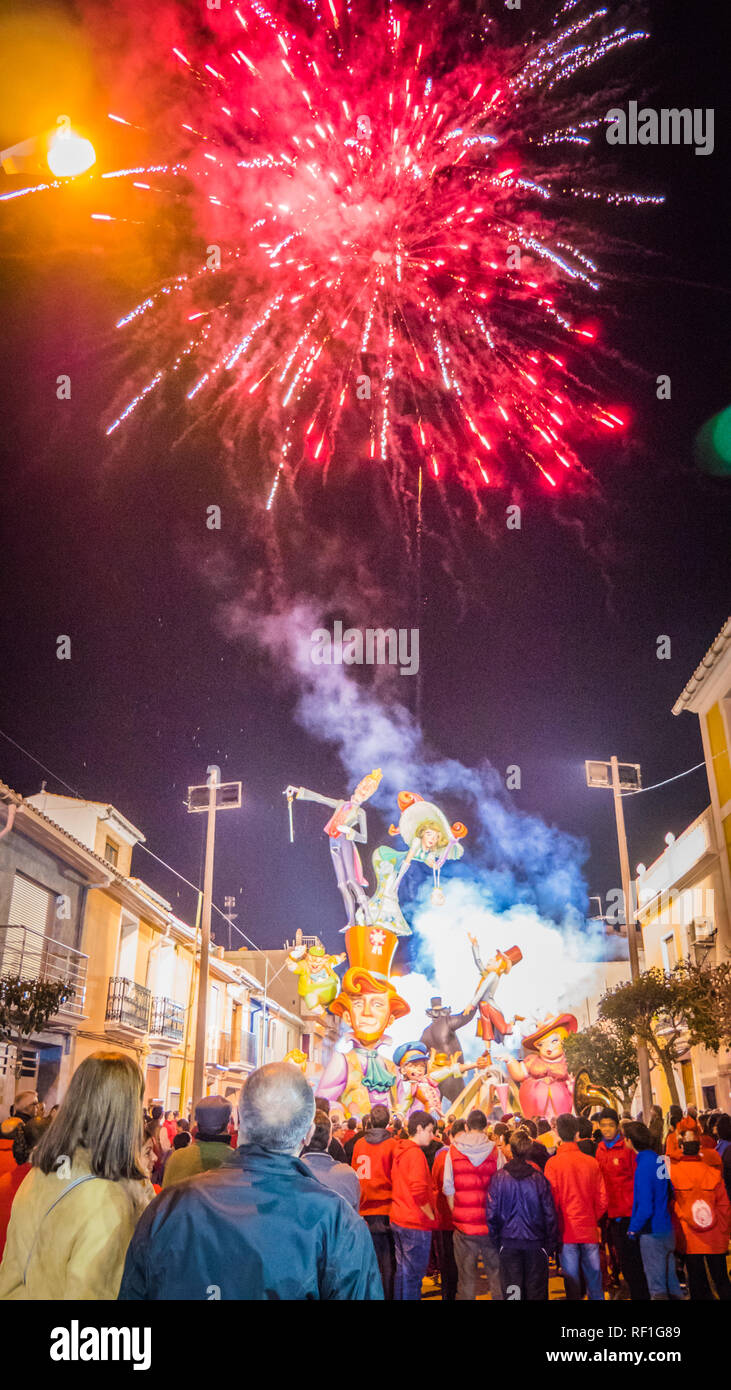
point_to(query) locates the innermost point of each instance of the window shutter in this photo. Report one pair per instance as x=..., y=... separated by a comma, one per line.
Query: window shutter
x=30, y=905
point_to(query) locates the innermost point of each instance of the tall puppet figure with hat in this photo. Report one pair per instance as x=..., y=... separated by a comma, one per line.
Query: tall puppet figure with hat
x=362, y=1078
x=430, y=841
x=546, y=1088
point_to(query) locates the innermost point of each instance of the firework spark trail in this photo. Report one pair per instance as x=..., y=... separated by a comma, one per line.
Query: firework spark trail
x=401, y=263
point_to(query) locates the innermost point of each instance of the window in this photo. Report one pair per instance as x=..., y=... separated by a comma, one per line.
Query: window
x=669, y=951
x=111, y=853
x=127, y=957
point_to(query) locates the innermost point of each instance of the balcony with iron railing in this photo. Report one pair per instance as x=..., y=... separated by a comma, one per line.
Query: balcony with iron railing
x=128, y=1007
x=167, y=1021
x=32, y=955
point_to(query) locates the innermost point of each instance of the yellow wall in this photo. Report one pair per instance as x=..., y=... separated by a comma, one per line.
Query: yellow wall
x=720, y=766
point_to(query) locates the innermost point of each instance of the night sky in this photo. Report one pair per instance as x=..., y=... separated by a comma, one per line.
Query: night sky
x=538, y=647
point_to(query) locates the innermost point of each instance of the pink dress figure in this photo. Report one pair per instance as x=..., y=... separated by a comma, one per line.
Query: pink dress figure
x=546, y=1088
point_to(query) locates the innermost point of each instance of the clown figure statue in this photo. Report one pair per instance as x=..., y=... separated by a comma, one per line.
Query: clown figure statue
x=361, y=1078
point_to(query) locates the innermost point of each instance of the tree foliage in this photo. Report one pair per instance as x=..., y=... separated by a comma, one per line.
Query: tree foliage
x=27, y=1005
x=607, y=1051
x=671, y=1012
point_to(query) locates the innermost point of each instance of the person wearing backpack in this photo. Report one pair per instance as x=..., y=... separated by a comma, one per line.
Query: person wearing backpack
x=702, y=1216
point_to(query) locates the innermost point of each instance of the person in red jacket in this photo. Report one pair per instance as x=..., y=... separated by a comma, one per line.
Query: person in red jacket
x=373, y=1156
x=702, y=1219
x=469, y=1168
x=412, y=1207
x=444, y=1233
x=618, y=1162
x=581, y=1201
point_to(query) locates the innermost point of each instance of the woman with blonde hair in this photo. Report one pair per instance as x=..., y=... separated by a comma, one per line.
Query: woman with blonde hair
x=74, y=1215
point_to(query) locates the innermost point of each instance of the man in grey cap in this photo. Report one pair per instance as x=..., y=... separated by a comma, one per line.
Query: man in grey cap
x=211, y=1147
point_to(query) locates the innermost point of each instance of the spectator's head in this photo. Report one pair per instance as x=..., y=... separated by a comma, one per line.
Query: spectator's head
x=693, y=1112
x=608, y=1123
x=156, y=1113
x=148, y=1157
x=713, y=1120
x=543, y=1126
x=212, y=1115
x=352, y=1124
x=277, y=1109
x=584, y=1127
x=184, y=1126
x=675, y=1115
x=397, y=1124
x=639, y=1135
x=379, y=1116
x=459, y=1127
x=690, y=1142
x=102, y=1113
x=169, y=1115
x=26, y=1103
x=723, y=1128
x=520, y=1143
x=477, y=1119
x=323, y=1103
x=366, y=1123
x=530, y=1128
x=704, y=1121
x=566, y=1128
x=501, y=1132
x=421, y=1128
x=321, y=1134
x=182, y=1140
x=656, y=1112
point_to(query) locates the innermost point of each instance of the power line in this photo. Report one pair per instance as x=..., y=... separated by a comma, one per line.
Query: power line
x=152, y=855
x=678, y=775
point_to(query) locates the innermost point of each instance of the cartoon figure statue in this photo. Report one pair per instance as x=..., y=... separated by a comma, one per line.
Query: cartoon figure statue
x=346, y=825
x=546, y=1088
x=421, y=1072
x=441, y=1039
x=431, y=841
x=361, y=1078
x=492, y=1025
x=318, y=984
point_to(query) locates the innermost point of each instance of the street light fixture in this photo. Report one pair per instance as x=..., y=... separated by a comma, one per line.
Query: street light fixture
x=625, y=777
x=214, y=796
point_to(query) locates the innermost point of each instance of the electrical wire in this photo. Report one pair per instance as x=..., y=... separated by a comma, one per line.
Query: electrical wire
x=677, y=776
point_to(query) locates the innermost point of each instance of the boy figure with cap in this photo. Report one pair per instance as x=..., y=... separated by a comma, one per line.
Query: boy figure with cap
x=418, y=1085
x=211, y=1147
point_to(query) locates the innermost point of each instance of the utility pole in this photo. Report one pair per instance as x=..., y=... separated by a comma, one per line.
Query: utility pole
x=627, y=777
x=214, y=796
x=629, y=917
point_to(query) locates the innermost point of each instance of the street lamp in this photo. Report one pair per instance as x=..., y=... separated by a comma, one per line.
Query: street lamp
x=625, y=777
x=214, y=796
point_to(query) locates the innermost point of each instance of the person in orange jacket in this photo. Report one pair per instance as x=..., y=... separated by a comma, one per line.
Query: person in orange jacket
x=702, y=1219
x=581, y=1201
x=413, y=1200
x=689, y=1125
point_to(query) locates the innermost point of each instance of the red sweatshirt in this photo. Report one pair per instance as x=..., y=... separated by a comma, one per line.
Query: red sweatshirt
x=373, y=1162
x=444, y=1215
x=412, y=1188
x=617, y=1162
x=579, y=1193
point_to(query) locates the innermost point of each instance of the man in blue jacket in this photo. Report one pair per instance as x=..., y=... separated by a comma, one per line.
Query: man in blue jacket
x=521, y=1218
x=651, y=1219
x=263, y=1227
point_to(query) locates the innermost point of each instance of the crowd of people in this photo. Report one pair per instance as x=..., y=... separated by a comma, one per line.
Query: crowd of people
x=102, y=1199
